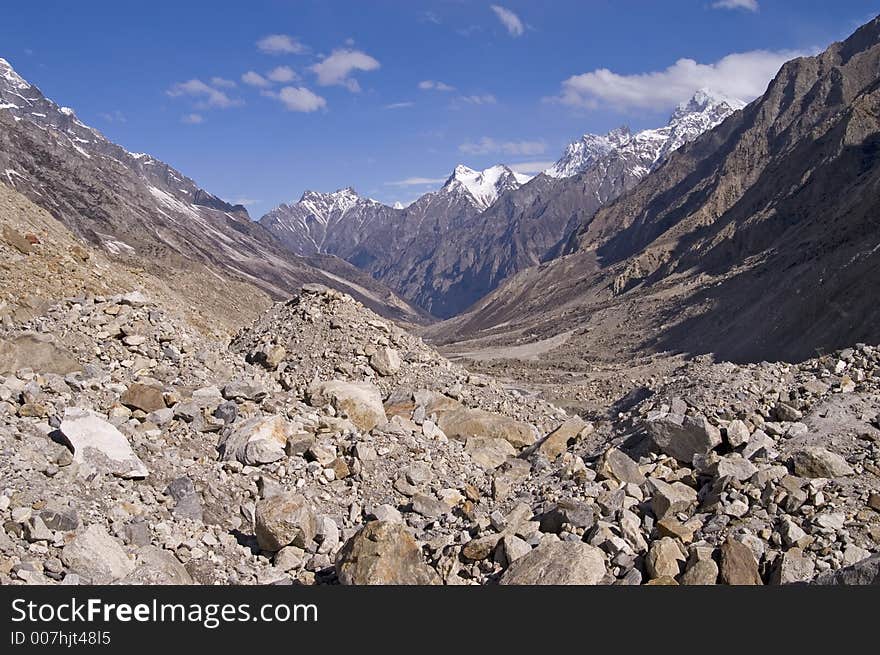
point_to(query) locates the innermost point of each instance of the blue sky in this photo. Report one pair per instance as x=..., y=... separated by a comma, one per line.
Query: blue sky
x=259, y=101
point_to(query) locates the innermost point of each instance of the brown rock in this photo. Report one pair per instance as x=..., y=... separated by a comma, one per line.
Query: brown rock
x=383, y=553
x=145, y=397
x=738, y=564
x=284, y=520
x=557, y=441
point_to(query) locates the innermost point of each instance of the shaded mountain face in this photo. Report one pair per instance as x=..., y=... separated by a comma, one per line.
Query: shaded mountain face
x=758, y=240
x=395, y=245
x=453, y=246
x=137, y=207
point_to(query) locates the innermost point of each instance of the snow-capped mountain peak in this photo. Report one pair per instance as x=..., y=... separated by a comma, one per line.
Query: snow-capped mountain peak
x=483, y=187
x=648, y=148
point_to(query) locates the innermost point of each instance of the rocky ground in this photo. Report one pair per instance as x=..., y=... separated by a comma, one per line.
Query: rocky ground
x=326, y=445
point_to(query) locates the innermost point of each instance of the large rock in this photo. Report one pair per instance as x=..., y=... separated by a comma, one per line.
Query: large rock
x=385, y=361
x=155, y=566
x=557, y=441
x=464, y=423
x=145, y=397
x=98, y=444
x=283, y=520
x=682, y=437
x=620, y=467
x=558, y=563
x=665, y=558
x=818, y=462
x=35, y=351
x=360, y=401
x=383, y=553
x=488, y=452
x=793, y=566
x=738, y=564
x=866, y=572
x=669, y=499
x=96, y=557
x=701, y=568
x=259, y=440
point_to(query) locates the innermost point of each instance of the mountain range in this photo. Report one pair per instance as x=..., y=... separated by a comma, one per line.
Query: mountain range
x=452, y=246
x=758, y=240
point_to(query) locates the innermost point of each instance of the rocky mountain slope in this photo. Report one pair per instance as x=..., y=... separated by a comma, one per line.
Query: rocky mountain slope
x=758, y=240
x=141, y=210
x=451, y=247
x=325, y=445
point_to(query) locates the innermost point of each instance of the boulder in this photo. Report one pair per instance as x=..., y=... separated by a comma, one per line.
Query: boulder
x=36, y=351
x=145, y=397
x=669, y=499
x=620, y=467
x=156, y=566
x=385, y=361
x=557, y=441
x=792, y=567
x=99, y=445
x=283, y=520
x=488, y=452
x=665, y=558
x=96, y=557
x=464, y=423
x=558, y=563
x=360, y=401
x=259, y=440
x=818, y=462
x=738, y=564
x=682, y=437
x=383, y=553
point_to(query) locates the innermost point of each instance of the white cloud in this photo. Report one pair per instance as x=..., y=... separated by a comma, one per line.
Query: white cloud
x=748, y=5
x=417, y=181
x=252, y=78
x=531, y=167
x=336, y=68
x=435, y=85
x=400, y=105
x=485, y=99
x=114, y=116
x=487, y=145
x=192, y=119
x=510, y=20
x=222, y=82
x=742, y=75
x=281, y=74
x=211, y=97
x=280, y=44
x=299, y=98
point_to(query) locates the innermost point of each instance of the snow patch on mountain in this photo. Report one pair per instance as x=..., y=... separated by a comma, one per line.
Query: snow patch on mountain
x=701, y=113
x=483, y=187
